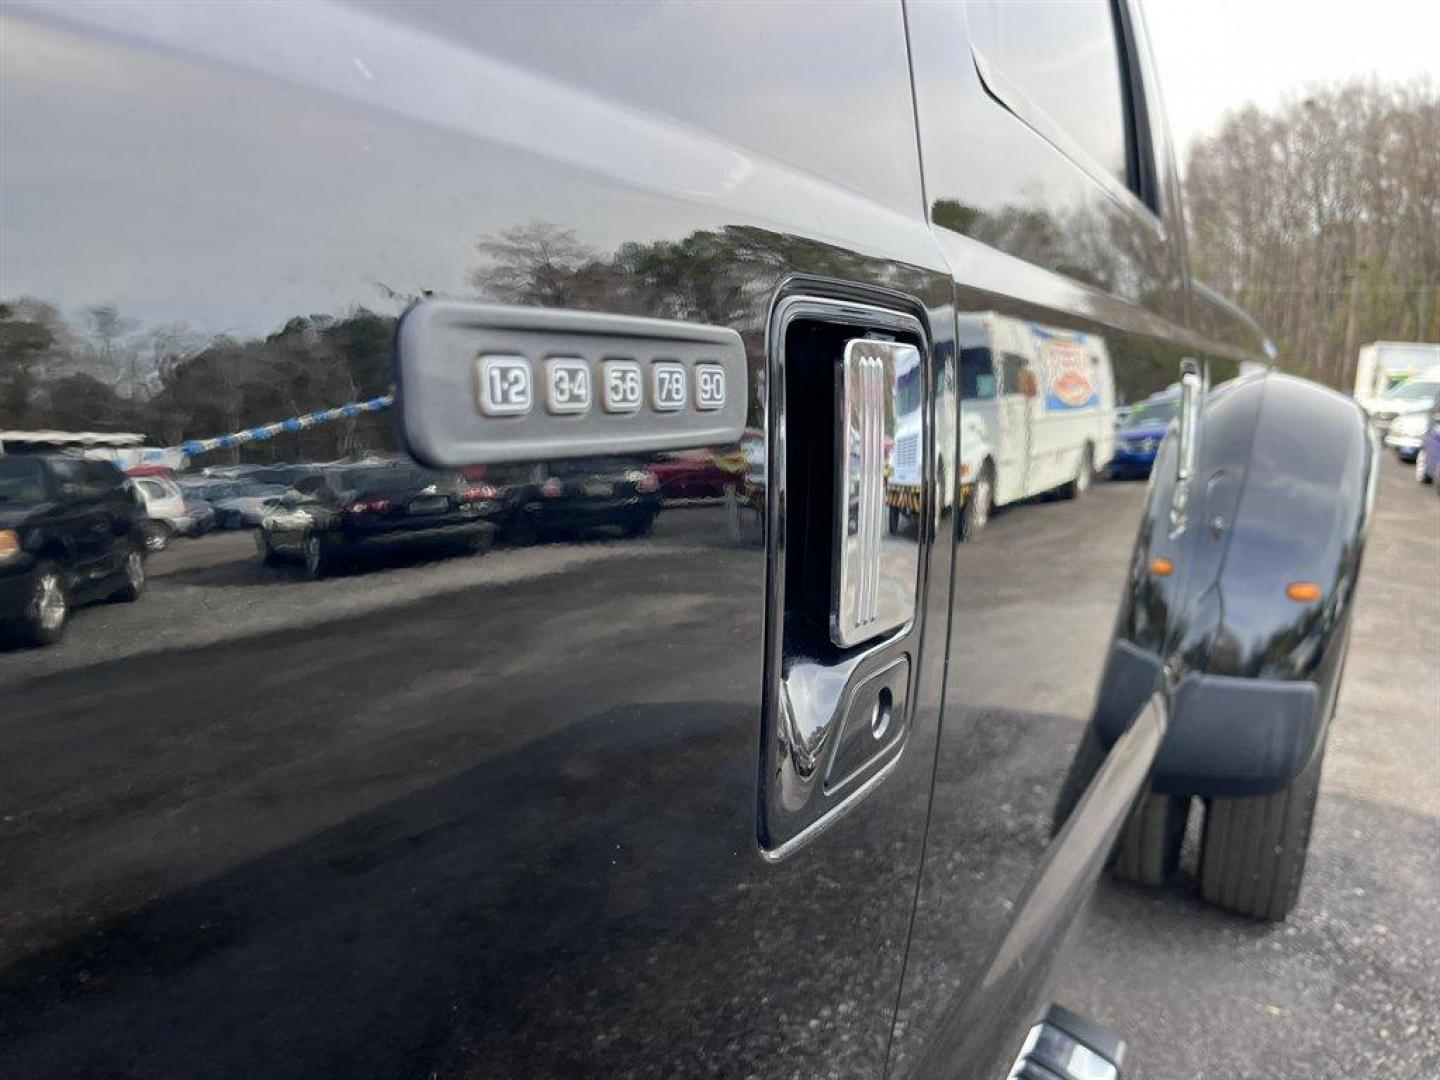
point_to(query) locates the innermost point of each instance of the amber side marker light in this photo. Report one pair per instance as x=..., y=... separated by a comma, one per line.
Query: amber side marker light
x=1161, y=566
x=1303, y=592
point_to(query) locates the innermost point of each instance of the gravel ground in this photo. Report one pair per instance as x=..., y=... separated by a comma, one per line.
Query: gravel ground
x=1350, y=985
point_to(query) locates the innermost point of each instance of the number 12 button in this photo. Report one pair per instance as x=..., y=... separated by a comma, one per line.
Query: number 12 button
x=504, y=385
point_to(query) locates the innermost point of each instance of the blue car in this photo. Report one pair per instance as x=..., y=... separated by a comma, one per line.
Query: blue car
x=1137, y=442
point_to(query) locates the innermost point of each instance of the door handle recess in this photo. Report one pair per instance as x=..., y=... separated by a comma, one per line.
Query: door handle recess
x=848, y=475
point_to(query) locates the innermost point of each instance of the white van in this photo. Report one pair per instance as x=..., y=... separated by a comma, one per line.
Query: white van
x=1045, y=401
x=1384, y=365
x=905, y=452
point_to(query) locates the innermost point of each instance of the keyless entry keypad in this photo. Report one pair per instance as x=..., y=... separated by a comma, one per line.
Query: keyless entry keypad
x=482, y=383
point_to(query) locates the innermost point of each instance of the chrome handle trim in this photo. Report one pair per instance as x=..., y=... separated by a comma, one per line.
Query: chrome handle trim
x=874, y=569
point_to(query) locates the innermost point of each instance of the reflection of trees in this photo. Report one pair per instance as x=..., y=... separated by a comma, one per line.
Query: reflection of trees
x=537, y=263
x=721, y=276
x=104, y=375
x=710, y=275
x=313, y=362
x=1099, y=243
x=104, y=372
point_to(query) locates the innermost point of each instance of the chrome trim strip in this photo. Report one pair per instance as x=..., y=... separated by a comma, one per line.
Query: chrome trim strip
x=871, y=561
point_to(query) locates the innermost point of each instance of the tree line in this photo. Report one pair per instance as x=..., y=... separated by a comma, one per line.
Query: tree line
x=1322, y=219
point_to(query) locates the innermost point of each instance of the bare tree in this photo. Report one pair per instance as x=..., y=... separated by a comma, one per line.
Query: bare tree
x=1322, y=218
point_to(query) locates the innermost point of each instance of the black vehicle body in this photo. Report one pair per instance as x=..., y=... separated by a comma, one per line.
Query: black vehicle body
x=568, y=499
x=284, y=475
x=359, y=509
x=1282, y=496
x=604, y=809
x=75, y=515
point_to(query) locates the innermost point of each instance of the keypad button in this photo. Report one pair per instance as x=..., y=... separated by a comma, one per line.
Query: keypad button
x=504, y=385
x=709, y=387
x=567, y=386
x=621, y=389
x=667, y=386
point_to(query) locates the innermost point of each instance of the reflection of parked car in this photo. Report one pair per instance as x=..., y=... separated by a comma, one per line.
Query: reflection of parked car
x=370, y=508
x=165, y=505
x=1139, y=440
x=568, y=498
x=239, y=504
x=287, y=476
x=70, y=533
x=1414, y=396
x=1427, y=457
x=691, y=474
x=201, y=514
x=1407, y=431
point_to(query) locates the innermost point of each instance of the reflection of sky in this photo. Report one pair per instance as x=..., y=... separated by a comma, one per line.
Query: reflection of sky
x=1063, y=58
x=367, y=152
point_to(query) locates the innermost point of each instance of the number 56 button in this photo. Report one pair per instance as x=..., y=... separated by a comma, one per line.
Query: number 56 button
x=621, y=389
x=504, y=385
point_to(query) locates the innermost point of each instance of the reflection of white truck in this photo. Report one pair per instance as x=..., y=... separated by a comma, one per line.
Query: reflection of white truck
x=1384, y=365
x=1041, y=401
x=905, y=460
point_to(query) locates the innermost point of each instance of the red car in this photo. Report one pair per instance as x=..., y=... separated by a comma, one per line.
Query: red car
x=693, y=474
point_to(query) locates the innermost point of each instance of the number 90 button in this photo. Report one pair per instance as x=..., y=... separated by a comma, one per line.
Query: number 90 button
x=709, y=387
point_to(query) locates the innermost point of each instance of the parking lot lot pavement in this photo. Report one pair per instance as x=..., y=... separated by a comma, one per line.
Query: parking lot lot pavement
x=1350, y=985
x=214, y=589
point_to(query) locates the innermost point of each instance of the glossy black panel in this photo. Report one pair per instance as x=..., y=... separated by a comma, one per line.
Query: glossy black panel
x=1063, y=60
x=420, y=805
x=1043, y=207
x=1051, y=352
x=475, y=771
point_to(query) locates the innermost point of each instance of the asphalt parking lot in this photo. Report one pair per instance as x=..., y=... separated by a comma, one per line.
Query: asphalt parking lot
x=1350, y=985
x=1347, y=988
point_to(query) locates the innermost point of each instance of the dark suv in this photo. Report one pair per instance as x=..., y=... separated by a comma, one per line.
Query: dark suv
x=71, y=533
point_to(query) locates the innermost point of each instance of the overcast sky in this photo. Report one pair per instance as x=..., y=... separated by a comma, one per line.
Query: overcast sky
x=1217, y=54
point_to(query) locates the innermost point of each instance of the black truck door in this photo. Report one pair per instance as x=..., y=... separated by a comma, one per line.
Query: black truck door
x=603, y=800
x=1067, y=231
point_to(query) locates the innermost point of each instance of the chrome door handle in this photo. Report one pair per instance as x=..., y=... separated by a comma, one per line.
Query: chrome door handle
x=1187, y=449
x=1191, y=388
x=874, y=577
